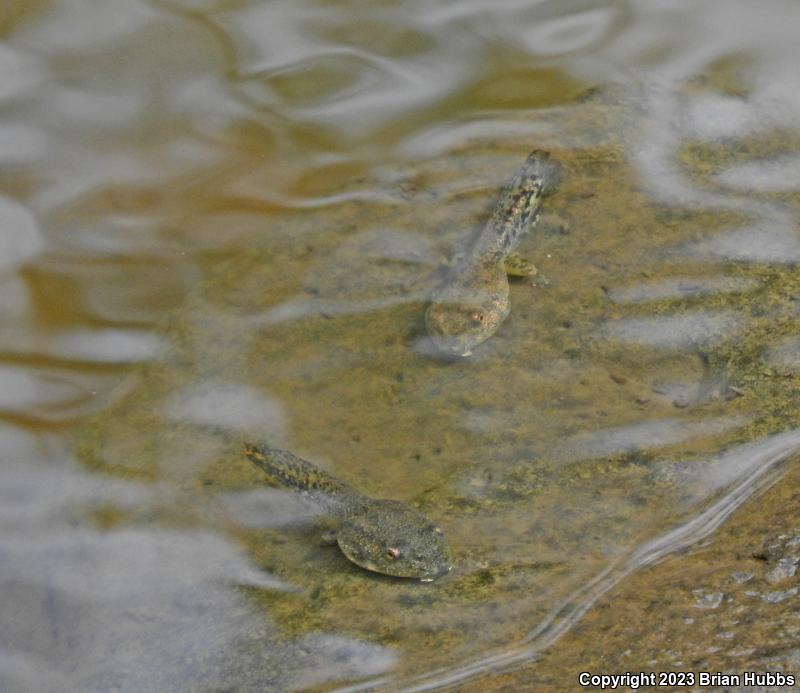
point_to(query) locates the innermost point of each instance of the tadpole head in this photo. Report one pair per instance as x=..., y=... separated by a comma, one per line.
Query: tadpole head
x=455, y=329
x=395, y=539
x=541, y=166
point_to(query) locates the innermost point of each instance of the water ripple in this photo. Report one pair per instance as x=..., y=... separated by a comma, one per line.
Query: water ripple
x=784, y=354
x=641, y=435
x=773, y=175
x=21, y=72
x=229, y=405
x=73, y=26
x=438, y=138
x=354, y=88
x=679, y=287
x=108, y=346
x=20, y=237
x=768, y=242
x=22, y=389
x=20, y=144
x=690, y=329
x=746, y=469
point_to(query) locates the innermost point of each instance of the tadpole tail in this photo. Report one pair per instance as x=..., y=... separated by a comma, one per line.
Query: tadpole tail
x=289, y=470
x=285, y=469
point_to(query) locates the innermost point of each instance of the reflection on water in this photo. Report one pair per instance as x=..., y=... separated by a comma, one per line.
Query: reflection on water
x=678, y=288
x=230, y=215
x=23, y=240
x=229, y=406
x=135, y=608
x=768, y=242
x=689, y=329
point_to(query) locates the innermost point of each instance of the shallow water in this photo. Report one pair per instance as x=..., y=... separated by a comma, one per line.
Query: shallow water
x=232, y=213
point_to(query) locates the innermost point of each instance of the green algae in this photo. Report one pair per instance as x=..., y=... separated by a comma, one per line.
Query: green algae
x=470, y=444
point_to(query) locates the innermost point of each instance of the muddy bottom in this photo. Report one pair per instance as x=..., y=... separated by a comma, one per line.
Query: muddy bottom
x=727, y=606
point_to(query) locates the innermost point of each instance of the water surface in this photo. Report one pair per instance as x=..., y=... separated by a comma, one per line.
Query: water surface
x=232, y=213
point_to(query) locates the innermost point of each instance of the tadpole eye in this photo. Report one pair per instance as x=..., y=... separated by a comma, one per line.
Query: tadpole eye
x=476, y=317
x=393, y=552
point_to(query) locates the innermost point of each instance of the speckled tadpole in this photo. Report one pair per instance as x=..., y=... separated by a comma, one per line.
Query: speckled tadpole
x=385, y=536
x=472, y=302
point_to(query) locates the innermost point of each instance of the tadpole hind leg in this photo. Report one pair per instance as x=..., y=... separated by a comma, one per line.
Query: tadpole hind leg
x=518, y=266
x=328, y=538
